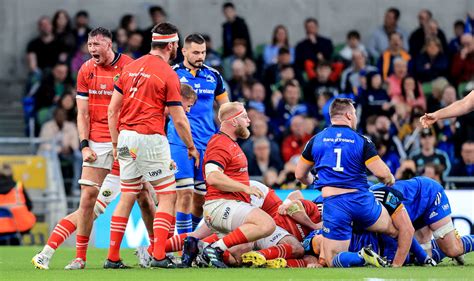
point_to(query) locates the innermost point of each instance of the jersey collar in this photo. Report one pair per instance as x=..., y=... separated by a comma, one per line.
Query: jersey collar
x=116, y=58
x=194, y=73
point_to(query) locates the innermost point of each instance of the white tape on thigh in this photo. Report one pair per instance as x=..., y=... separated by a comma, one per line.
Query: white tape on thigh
x=426, y=246
x=88, y=183
x=166, y=186
x=99, y=209
x=187, y=183
x=442, y=231
x=200, y=188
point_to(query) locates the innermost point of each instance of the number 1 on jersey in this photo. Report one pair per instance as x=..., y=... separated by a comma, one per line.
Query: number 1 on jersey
x=338, y=167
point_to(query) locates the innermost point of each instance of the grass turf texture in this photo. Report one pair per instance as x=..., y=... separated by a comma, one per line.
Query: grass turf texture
x=15, y=264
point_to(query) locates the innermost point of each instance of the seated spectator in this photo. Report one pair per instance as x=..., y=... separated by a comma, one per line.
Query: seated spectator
x=385, y=132
x=257, y=98
x=409, y=132
x=289, y=105
x=213, y=58
x=272, y=74
x=134, y=44
x=350, y=79
x=286, y=179
x=434, y=100
x=279, y=40
x=234, y=28
x=394, y=81
x=294, y=143
x=263, y=160
x=379, y=40
x=287, y=73
x=238, y=80
x=394, y=51
x=14, y=197
x=447, y=127
x=465, y=168
x=352, y=44
x=406, y=171
x=428, y=28
x=259, y=129
x=324, y=103
x=462, y=68
x=121, y=40
x=129, y=24
x=374, y=100
x=390, y=157
x=314, y=48
x=68, y=103
x=433, y=172
x=455, y=43
x=80, y=57
x=270, y=178
x=412, y=93
x=320, y=84
x=63, y=32
x=157, y=15
x=429, y=154
x=431, y=63
x=64, y=136
x=82, y=29
x=239, y=51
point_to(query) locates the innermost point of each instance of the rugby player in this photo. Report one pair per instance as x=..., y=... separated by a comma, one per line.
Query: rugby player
x=455, y=109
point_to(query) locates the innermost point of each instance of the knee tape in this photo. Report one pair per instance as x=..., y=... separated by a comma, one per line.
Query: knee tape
x=426, y=246
x=85, y=182
x=99, y=208
x=442, y=231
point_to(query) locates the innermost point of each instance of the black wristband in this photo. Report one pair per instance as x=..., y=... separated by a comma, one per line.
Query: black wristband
x=84, y=143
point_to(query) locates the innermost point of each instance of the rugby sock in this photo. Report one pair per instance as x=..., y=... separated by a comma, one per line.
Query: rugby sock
x=171, y=231
x=211, y=239
x=278, y=251
x=294, y=263
x=468, y=243
x=236, y=237
x=117, y=230
x=226, y=257
x=184, y=223
x=418, y=251
x=434, y=244
x=161, y=227
x=152, y=242
x=60, y=233
x=81, y=246
x=347, y=259
x=196, y=221
x=175, y=243
x=437, y=255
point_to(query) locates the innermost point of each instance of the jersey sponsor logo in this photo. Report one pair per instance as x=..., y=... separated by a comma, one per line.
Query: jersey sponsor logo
x=91, y=75
x=210, y=79
x=338, y=135
x=100, y=92
x=338, y=139
x=139, y=73
x=204, y=91
x=155, y=173
x=197, y=86
x=226, y=213
x=242, y=170
x=183, y=80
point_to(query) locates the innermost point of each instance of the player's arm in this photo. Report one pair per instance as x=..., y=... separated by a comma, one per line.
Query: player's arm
x=220, y=93
x=455, y=109
x=402, y=222
x=181, y=124
x=304, y=165
x=376, y=165
x=113, y=112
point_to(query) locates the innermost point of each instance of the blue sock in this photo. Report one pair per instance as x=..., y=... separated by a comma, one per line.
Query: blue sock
x=419, y=253
x=434, y=244
x=437, y=255
x=196, y=221
x=183, y=223
x=468, y=243
x=347, y=259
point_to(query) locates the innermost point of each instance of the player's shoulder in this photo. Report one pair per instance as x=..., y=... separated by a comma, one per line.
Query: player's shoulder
x=211, y=70
x=178, y=67
x=87, y=65
x=123, y=59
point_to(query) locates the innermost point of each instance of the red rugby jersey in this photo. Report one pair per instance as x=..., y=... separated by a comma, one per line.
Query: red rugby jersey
x=289, y=224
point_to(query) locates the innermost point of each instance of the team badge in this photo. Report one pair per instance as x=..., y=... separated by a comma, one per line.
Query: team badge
x=107, y=193
x=116, y=77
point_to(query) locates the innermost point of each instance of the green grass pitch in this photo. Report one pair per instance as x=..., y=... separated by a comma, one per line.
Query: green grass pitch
x=15, y=264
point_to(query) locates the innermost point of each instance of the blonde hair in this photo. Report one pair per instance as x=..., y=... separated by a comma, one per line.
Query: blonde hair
x=228, y=109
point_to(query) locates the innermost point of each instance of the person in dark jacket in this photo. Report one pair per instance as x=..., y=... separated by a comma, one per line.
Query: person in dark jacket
x=234, y=28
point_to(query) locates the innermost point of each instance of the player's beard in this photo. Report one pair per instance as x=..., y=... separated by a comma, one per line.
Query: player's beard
x=196, y=64
x=242, y=132
x=173, y=54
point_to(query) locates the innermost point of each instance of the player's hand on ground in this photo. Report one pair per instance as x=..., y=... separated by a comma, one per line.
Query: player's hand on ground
x=193, y=153
x=252, y=190
x=88, y=155
x=428, y=119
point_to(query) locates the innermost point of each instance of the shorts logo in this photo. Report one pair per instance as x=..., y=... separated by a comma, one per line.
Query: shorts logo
x=155, y=173
x=433, y=214
x=392, y=200
x=172, y=166
x=326, y=230
x=226, y=213
x=445, y=207
x=107, y=193
x=277, y=236
x=123, y=151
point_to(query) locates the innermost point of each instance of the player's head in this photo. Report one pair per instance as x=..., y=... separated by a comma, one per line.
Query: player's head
x=165, y=37
x=194, y=50
x=342, y=112
x=188, y=97
x=233, y=115
x=99, y=44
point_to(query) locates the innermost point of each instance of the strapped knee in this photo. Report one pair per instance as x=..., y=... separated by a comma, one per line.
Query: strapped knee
x=200, y=188
x=166, y=186
x=426, y=246
x=133, y=187
x=85, y=182
x=442, y=231
x=99, y=208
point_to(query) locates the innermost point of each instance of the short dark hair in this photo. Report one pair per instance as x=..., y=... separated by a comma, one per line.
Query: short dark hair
x=353, y=34
x=194, y=38
x=101, y=31
x=395, y=33
x=164, y=28
x=156, y=9
x=340, y=106
x=82, y=13
x=395, y=11
x=206, y=37
x=283, y=51
x=228, y=5
x=459, y=23
x=291, y=83
x=125, y=21
x=308, y=20
x=187, y=92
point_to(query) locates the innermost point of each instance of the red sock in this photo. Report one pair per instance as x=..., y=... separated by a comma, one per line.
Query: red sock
x=60, y=233
x=117, y=230
x=295, y=263
x=175, y=243
x=171, y=232
x=278, y=251
x=236, y=237
x=161, y=227
x=81, y=246
x=152, y=242
x=211, y=239
x=225, y=257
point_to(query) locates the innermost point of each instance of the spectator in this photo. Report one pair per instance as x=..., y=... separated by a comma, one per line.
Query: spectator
x=257, y=98
x=134, y=45
x=389, y=157
x=394, y=81
x=321, y=83
x=263, y=160
x=429, y=154
x=375, y=100
x=409, y=133
x=13, y=197
x=121, y=40
x=65, y=137
x=448, y=127
x=270, y=178
x=44, y=51
x=128, y=23
x=465, y=168
x=63, y=31
x=157, y=15
x=455, y=43
x=234, y=28
x=384, y=132
x=350, y=80
x=272, y=73
x=394, y=51
x=279, y=40
x=412, y=94
x=433, y=171
x=314, y=48
x=82, y=29
x=289, y=106
x=213, y=58
x=432, y=30
x=428, y=28
x=294, y=143
x=437, y=87
x=238, y=81
x=431, y=63
x=462, y=68
x=239, y=51
x=352, y=44
x=80, y=57
x=68, y=103
x=379, y=40
x=406, y=171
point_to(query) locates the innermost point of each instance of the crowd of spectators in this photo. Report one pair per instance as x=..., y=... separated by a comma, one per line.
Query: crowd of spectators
x=393, y=79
